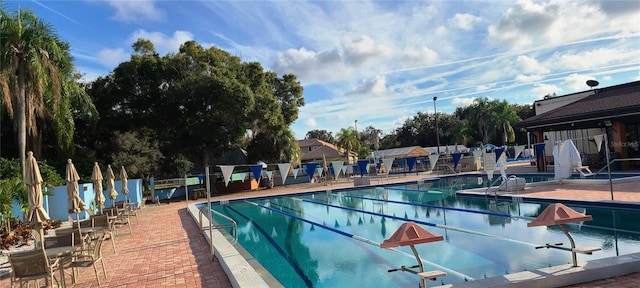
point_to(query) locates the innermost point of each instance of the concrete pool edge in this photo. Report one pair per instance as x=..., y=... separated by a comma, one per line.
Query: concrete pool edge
x=562, y=275
x=234, y=264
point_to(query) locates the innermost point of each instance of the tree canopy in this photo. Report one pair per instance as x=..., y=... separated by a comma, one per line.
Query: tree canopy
x=196, y=105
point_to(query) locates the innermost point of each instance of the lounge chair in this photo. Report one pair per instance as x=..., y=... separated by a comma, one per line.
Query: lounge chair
x=583, y=170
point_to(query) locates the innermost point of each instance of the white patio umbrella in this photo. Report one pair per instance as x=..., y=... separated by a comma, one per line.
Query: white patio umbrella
x=75, y=204
x=111, y=186
x=124, y=179
x=96, y=176
x=37, y=215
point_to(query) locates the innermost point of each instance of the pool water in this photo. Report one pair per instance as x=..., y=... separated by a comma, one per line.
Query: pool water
x=328, y=239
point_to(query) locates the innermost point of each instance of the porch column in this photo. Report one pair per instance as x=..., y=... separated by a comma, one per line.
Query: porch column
x=541, y=162
x=620, y=142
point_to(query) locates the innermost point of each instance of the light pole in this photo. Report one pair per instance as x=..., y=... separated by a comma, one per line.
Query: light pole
x=435, y=113
x=355, y=125
x=607, y=124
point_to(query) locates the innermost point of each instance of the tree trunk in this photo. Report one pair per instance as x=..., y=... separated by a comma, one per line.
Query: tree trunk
x=21, y=114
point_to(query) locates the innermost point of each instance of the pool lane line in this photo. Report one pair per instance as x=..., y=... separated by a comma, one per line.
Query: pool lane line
x=284, y=255
x=423, y=223
x=430, y=206
x=381, y=260
x=412, y=190
x=361, y=239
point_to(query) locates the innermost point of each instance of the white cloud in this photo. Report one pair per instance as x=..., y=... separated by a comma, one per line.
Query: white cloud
x=522, y=22
x=530, y=65
x=483, y=87
x=310, y=66
x=161, y=41
x=375, y=86
x=528, y=78
x=464, y=21
x=311, y=122
x=462, y=102
x=361, y=50
x=572, y=60
x=577, y=81
x=540, y=90
x=110, y=58
x=420, y=56
x=135, y=11
x=617, y=8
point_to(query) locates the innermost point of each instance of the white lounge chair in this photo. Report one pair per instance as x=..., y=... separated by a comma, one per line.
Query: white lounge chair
x=583, y=170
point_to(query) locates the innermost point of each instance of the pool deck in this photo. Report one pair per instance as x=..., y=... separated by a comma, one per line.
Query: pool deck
x=166, y=248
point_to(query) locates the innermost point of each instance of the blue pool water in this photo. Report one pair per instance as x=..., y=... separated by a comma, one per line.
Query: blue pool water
x=307, y=240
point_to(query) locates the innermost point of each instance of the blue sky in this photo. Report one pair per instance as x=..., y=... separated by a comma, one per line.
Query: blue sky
x=377, y=62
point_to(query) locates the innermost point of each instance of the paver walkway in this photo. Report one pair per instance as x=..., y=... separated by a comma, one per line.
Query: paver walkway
x=164, y=250
x=167, y=250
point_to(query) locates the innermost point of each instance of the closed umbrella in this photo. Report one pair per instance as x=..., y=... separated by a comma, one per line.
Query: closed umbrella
x=123, y=180
x=96, y=176
x=111, y=186
x=37, y=215
x=75, y=204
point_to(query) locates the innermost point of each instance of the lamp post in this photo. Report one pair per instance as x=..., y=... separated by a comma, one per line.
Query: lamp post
x=435, y=113
x=607, y=124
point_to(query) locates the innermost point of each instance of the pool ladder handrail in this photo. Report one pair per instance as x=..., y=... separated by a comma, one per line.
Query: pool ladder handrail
x=614, y=160
x=495, y=192
x=450, y=168
x=505, y=180
x=233, y=224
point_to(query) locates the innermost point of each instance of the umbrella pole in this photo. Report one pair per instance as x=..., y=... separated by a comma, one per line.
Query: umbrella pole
x=78, y=221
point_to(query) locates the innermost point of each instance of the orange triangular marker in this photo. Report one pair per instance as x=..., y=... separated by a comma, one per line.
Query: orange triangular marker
x=410, y=233
x=556, y=214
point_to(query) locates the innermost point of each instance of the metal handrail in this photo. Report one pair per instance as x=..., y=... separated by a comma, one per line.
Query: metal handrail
x=234, y=224
x=169, y=183
x=450, y=168
x=615, y=160
x=495, y=193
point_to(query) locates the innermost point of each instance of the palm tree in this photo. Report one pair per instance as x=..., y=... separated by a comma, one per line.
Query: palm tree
x=459, y=132
x=479, y=114
x=503, y=117
x=348, y=139
x=31, y=58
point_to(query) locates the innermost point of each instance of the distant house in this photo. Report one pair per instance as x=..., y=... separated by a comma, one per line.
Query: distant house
x=316, y=150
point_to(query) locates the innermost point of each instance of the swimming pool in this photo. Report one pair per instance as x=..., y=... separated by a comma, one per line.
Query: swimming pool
x=311, y=239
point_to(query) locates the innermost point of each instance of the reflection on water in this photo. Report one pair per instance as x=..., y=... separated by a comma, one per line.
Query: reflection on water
x=308, y=240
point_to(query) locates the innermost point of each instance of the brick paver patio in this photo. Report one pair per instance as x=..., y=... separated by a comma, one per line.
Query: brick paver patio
x=164, y=250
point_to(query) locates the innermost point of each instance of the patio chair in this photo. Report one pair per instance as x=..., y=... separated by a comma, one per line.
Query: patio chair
x=33, y=266
x=76, y=238
x=128, y=208
x=83, y=224
x=102, y=222
x=119, y=219
x=88, y=257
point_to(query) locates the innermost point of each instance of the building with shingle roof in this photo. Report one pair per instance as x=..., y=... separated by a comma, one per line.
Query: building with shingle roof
x=318, y=150
x=612, y=111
